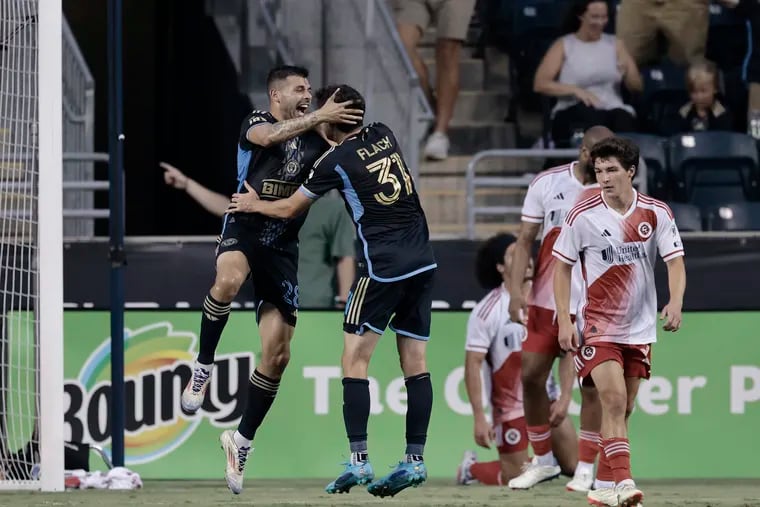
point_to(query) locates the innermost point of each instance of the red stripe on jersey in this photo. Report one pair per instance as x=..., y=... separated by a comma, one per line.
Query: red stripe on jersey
x=553, y=170
x=564, y=256
x=590, y=203
x=652, y=201
x=489, y=303
x=672, y=254
x=608, y=301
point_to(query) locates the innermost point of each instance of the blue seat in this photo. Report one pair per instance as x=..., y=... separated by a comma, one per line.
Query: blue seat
x=688, y=216
x=714, y=167
x=734, y=216
x=653, y=150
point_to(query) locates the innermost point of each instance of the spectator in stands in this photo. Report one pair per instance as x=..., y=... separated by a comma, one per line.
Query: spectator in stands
x=584, y=69
x=683, y=23
x=704, y=111
x=326, y=243
x=751, y=10
x=451, y=19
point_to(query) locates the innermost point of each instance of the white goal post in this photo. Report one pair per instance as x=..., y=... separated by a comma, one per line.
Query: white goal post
x=31, y=246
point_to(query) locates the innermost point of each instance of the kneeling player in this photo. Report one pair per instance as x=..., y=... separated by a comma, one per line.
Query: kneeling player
x=494, y=339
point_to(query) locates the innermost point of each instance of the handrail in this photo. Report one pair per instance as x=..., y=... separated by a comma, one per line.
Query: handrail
x=513, y=181
x=274, y=32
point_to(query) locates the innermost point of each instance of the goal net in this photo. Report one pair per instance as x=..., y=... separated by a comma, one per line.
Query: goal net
x=31, y=334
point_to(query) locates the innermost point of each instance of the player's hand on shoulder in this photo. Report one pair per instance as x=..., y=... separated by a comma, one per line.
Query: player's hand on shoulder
x=339, y=112
x=671, y=313
x=243, y=202
x=173, y=176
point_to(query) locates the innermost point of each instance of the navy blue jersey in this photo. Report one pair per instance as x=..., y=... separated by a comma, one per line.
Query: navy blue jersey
x=379, y=193
x=275, y=173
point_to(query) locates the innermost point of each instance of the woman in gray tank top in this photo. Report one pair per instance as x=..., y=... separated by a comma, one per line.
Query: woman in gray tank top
x=584, y=70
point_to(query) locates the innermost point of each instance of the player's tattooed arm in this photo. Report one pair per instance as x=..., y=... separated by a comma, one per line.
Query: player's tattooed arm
x=266, y=134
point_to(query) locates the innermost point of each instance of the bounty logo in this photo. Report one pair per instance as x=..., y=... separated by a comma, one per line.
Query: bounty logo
x=157, y=365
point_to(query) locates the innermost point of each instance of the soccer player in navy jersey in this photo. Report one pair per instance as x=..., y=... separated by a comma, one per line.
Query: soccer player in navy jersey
x=393, y=283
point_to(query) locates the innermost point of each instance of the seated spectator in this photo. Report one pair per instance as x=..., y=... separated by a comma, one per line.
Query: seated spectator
x=584, y=69
x=704, y=111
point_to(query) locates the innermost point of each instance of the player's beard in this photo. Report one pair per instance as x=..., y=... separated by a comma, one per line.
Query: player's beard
x=589, y=175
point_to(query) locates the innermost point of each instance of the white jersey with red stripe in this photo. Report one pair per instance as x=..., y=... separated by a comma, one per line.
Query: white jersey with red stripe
x=617, y=256
x=550, y=196
x=490, y=331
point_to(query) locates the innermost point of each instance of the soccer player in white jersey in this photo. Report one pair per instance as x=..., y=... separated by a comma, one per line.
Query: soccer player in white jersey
x=616, y=236
x=550, y=196
x=495, y=342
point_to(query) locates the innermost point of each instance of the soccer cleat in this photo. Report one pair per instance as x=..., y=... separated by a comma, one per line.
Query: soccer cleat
x=582, y=481
x=195, y=390
x=403, y=476
x=236, y=458
x=603, y=497
x=628, y=495
x=533, y=474
x=355, y=473
x=463, y=471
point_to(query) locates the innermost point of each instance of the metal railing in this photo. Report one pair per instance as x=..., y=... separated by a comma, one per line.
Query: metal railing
x=348, y=41
x=474, y=181
x=78, y=135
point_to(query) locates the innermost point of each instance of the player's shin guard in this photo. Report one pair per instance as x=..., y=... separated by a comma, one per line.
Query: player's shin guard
x=215, y=315
x=356, y=412
x=419, y=392
x=262, y=391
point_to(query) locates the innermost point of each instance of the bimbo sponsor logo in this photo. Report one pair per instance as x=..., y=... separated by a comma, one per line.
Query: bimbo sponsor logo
x=157, y=365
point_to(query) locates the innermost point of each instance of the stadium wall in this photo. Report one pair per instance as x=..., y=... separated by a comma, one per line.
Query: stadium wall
x=696, y=417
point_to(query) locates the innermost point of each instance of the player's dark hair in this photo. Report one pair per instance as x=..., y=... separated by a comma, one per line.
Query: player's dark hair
x=491, y=253
x=282, y=72
x=345, y=93
x=624, y=150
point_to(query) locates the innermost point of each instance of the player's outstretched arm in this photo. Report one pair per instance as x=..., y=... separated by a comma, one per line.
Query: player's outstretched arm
x=267, y=134
x=249, y=202
x=520, y=260
x=213, y=202
x=671, y=313
x=483, y=432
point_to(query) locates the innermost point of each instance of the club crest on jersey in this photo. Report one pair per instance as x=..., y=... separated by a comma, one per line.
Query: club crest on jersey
x=588, y=352
x=645, y=230
x=292, y=167
x=512, y=436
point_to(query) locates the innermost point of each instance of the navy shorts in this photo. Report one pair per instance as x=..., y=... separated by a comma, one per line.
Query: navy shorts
x=406, y=304
x=274, y=272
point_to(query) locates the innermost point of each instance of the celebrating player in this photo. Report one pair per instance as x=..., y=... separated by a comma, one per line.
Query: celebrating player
x=276, y=151
x=550, y=196
x=494, y=339
x=394, y=278
x=616, y=235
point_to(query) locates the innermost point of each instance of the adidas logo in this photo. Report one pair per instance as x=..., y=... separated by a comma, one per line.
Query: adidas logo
x=560, y=196
x=606, y=234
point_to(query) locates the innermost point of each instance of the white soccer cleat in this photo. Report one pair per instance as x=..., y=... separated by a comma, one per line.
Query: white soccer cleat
x=629, y=495
x=533, y=473
x=603, y=497
x=437, y=146
x=195, y=390
x=236, y=458
x=582, y=481
x=463, y=471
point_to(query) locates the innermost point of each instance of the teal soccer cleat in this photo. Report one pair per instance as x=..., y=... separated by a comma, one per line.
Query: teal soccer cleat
x=403, y=476
x=357, y=473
